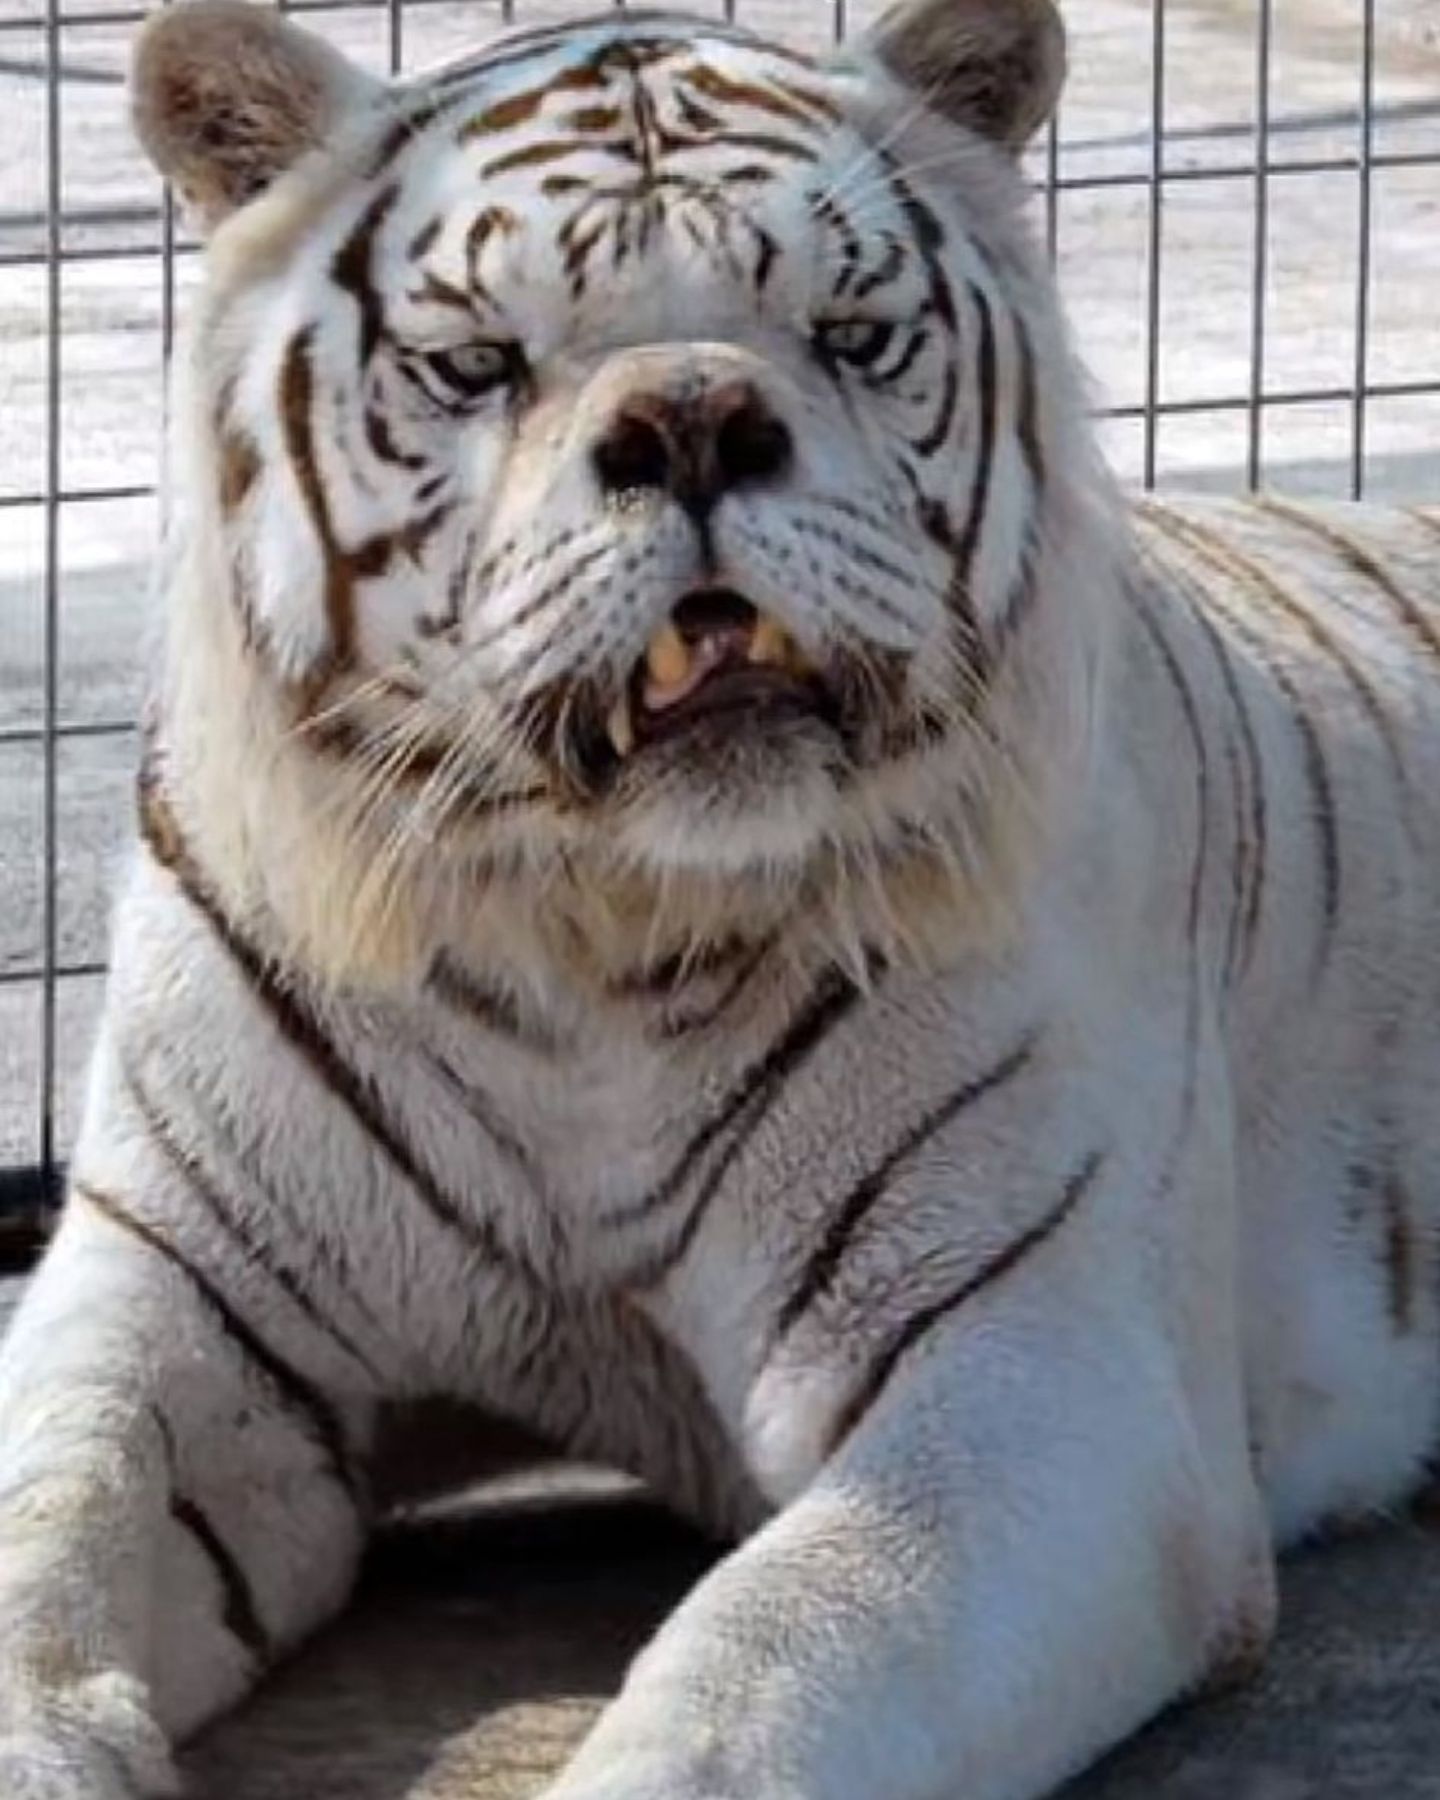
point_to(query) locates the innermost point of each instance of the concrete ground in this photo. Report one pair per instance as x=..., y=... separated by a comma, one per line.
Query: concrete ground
x=483, y=1643
x=481, y=1649
x=485, y=1639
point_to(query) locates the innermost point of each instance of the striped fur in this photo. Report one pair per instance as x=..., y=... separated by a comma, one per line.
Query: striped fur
x=968, y=1139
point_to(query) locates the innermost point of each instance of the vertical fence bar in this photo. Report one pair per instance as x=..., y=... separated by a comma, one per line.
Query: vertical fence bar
x=1260, y=270
x=167, y=278
x=1155, y=241
x=49, y=829
x=395, y=32
x=1365, y=226
x=167, y=338
x=1052, y=189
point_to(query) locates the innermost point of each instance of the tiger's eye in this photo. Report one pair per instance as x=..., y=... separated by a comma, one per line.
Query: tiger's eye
x=475, y=369
x=858, y=342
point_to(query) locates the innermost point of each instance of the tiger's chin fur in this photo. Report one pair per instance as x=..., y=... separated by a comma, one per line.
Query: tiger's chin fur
x=706, y=893
x=918, y=870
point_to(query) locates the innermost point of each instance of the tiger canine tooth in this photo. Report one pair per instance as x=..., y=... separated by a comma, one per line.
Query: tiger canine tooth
x=668, y=658
x=622, y=727
x=771, y=642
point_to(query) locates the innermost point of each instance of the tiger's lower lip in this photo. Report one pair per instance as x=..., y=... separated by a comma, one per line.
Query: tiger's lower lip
x=731, y=694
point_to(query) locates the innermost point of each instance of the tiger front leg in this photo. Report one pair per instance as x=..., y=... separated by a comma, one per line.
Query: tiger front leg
x=1037, y=1527
x=171, y=1514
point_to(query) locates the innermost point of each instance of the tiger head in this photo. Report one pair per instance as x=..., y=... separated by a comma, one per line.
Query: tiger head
x=629, y=488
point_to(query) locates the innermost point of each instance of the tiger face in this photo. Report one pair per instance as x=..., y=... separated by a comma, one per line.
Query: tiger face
x=629, y=443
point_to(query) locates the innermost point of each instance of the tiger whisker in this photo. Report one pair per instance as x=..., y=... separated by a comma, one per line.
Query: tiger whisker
x=882, y=182
x=863, y=159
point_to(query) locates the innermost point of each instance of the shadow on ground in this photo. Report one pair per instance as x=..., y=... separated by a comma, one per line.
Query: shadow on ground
x=482, y=1646
x=479, y=1650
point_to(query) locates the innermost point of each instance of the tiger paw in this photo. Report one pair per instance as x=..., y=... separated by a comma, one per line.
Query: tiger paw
x=92, y=1742
x=63, y=1768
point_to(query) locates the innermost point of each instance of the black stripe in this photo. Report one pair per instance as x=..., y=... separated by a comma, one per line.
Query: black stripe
x=938, y=435
x=724, y=89
x=1318, y=774
x=970, y=643
x=833, y=998
x=506, y=114
x=1028, y=431
x=919, y=343
x=1418, y=623
x=490, y=1007
x=478, y=1107
x=692, y=1024
x=295, y=397
x=239, y=1612
x=1317, y=767
x=301, y=1399
x=919, y=1324
x=301, y=1030
x=1175, y=673
x=351, y=270
x=1250, y=877
x=654, y=1268
x=825, y=207
x=887, y=271
x=1404, y=1252
x=767, y=251
x=332, y=733
x=207, y=1191
x=382, y=441
x=1027, y=414
x=817, y=1025
x=669, y=978
x=1251, y=573
x=1317, y=771
x=402, y=131
x=762, y=143
x=820, y=1271
x=553, y=150
x=985, y=455
x=1179, y=682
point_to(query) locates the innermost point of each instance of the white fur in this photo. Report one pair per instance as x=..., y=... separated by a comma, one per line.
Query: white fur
x=1175, y=1269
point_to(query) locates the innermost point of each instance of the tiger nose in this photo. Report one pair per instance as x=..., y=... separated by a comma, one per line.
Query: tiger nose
x=696, y=448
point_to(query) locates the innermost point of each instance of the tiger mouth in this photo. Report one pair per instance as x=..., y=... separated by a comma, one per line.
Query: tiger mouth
x=716, y=659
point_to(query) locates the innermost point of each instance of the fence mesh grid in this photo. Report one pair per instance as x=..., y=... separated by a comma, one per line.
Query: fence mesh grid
x=1238, y=196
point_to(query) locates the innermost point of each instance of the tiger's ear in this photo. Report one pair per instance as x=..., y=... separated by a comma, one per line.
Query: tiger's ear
x=996, y=66
x=226, y=96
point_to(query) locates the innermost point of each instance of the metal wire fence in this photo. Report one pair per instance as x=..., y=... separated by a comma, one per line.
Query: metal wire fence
x=1239, y=196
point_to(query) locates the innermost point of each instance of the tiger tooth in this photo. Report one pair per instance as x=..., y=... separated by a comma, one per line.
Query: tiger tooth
x=668, y=658
x=770, y=642
x=621, y=727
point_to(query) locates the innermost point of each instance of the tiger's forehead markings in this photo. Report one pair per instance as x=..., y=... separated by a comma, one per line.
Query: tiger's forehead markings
x=662, y=97
x=521, y=48
x=639, y=122
x=520, y=109
x=352, y=273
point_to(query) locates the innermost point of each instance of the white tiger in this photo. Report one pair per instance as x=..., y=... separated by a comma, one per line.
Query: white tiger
x=704, y=890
